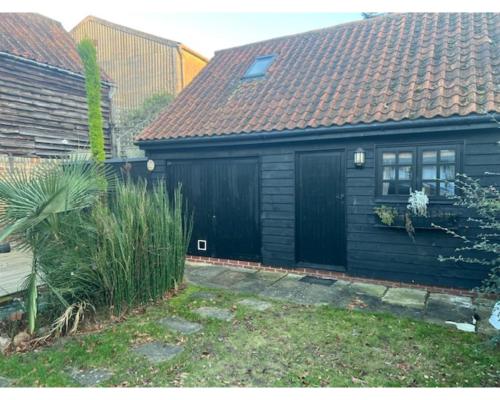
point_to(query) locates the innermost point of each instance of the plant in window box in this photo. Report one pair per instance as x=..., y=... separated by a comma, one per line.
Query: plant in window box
x=387, y=215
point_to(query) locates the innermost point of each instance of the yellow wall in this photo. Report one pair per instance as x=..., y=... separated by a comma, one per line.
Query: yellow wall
x=192, y=65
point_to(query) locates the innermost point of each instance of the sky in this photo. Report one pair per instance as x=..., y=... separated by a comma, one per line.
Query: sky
x=210, y=25
x=204, y=32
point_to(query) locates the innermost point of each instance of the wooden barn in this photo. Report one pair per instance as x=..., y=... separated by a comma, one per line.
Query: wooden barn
x=285, y=147
x=141, y=64
x=43, y=105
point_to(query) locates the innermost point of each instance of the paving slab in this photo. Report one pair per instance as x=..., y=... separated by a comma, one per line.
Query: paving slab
x=204, y=296
x=290, y=288
x=256, y=305
x=180, y=325
x=413, y=298
x=321, y=294
x=445, y=307
x=287, y=288
x=215, y=312
x=201, y=274
x=270, y=276
x=364, y=302
x=229, y=278
x=368, y=289
x=157, y=352
x=257, y=282
x=90, y=377
x=5, y=382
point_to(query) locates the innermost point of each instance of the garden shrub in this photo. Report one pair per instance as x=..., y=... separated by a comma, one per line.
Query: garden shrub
x=481, y=239
x=87, y=52
x=95, y=242
x=135, y=121
x=122, y=253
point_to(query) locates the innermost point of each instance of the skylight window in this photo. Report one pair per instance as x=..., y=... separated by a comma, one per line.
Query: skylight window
x=259, y=67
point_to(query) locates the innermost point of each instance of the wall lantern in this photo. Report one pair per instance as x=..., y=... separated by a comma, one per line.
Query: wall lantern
x=150, y=165
x=359, y=158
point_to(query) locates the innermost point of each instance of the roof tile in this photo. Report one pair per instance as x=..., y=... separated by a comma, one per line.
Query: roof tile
x=38, y=38
x=395, y=67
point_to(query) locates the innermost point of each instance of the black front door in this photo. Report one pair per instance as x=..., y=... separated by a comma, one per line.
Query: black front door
x=320, y=214
x=223, y=195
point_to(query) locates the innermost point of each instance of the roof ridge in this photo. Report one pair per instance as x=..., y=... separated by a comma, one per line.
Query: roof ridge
x=314, y=31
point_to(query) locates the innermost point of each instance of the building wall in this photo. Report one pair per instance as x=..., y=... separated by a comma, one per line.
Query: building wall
x=192, y=64
x=372, y=251
x=139, y=66
x=43, y=112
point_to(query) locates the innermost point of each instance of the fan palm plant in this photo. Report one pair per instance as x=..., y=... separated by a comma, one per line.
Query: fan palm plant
x=34, y=202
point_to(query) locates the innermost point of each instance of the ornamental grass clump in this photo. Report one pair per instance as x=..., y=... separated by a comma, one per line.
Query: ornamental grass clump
x=123, y=252
x=141, y=243
x=96, y=244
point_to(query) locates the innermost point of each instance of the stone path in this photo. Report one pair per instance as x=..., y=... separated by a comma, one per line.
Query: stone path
x=180, y=325
x=4, y=382
x=157, y=352
x=215, y=312
x=256, y=305
x=413, y=303
x=90, y=377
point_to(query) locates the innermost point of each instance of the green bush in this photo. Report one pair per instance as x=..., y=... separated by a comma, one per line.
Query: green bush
x=87, y=52
x=123, y=252
x=482, y=247
x=111, y=245
x=134, y=122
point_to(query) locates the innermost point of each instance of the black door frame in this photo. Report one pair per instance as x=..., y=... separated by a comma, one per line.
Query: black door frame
x=257, y=158
x=342, y=152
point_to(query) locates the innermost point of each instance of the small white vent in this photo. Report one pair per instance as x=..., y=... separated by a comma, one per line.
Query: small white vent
x=202, y=245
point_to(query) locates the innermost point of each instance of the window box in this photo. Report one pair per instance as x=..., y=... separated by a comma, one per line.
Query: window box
x=445, y=220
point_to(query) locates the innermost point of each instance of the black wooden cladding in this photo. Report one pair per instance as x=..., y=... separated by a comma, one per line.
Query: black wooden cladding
x=371, y=251
x=43, y=112
x=224, y=198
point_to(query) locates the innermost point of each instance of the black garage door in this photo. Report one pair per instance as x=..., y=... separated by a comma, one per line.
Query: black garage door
x=224, y=197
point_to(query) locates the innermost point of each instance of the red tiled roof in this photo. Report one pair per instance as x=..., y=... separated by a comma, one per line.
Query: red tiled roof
x=38, y=38
x=395, y=67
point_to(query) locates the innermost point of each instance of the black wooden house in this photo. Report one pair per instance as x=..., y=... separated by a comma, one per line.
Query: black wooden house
x=285, y=147
x=43, y=104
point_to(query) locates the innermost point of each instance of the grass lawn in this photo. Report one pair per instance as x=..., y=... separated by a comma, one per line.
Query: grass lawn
x=286, y=345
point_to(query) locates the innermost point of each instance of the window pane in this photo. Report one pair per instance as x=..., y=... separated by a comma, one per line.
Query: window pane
x=446, y=188
x=429, y=157
x=389, y=173
x=405, y=173
x=447, y=155
x=405, y=157
x=429, y=188
x=259, y=67
x=388, y=158
x=388, y=188
x=447, y=172
x=429, y=172
x=404, y=188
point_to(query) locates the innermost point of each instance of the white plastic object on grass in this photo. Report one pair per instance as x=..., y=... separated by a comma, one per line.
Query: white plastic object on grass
x=463, y=326
x=495, y=316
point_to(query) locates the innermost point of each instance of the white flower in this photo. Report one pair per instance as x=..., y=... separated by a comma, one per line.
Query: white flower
x=417, y=203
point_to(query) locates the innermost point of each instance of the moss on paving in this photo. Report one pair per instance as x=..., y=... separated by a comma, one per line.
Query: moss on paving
x=286, y=345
